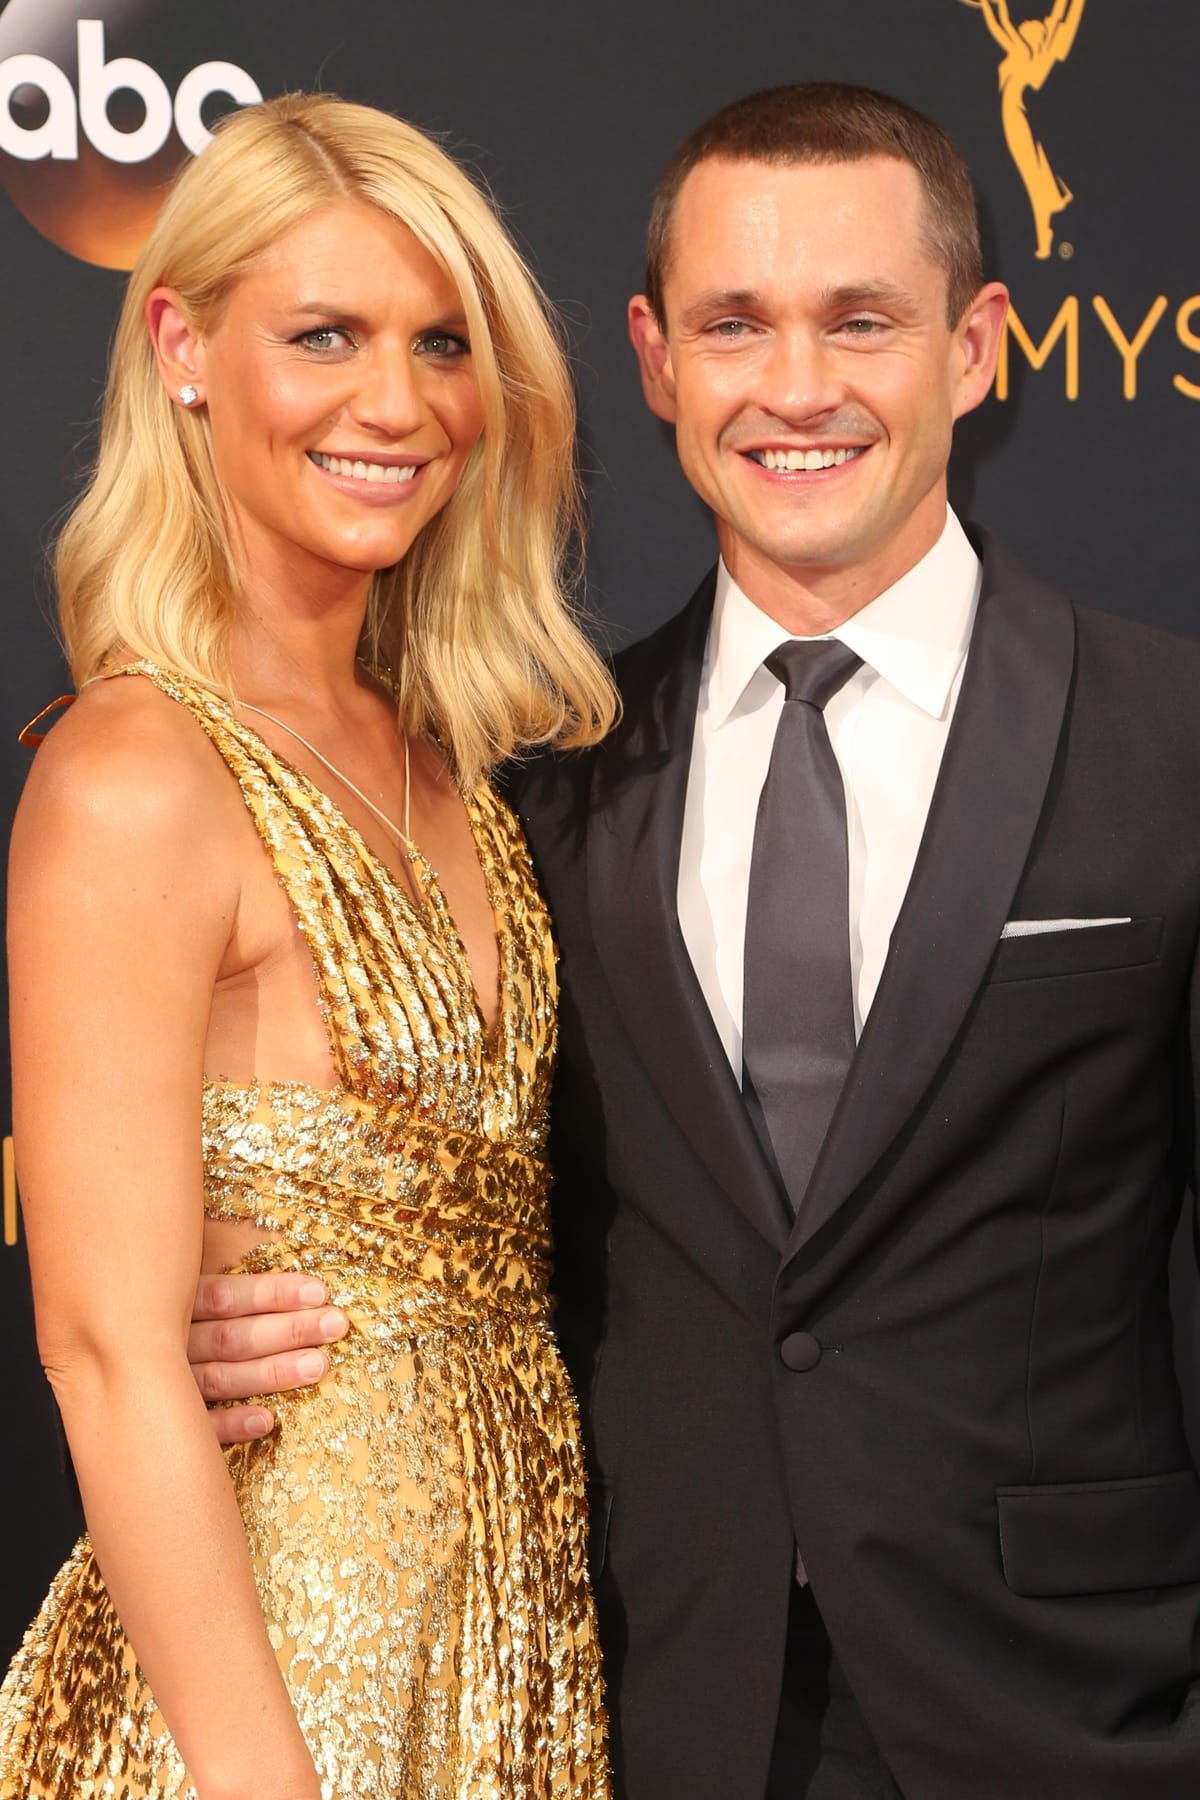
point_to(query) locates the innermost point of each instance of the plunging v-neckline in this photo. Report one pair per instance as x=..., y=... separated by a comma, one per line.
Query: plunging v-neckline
x=437, y=910
x=434, y=918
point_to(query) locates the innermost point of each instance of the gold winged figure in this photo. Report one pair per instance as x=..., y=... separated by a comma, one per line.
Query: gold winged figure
x=1031, y=50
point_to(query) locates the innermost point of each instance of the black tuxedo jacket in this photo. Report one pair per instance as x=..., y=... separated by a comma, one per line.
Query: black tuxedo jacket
x=951, y=1379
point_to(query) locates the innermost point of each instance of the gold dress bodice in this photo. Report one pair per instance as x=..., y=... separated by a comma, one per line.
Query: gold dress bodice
x=416, y=1522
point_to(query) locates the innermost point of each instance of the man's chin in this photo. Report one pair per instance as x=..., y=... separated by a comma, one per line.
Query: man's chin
x=807, y=561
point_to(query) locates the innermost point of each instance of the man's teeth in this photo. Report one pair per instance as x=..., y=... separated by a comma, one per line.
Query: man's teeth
x=791, y=461
x=363, y=471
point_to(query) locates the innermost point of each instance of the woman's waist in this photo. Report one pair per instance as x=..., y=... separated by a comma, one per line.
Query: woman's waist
x=379, y=1177
x=438, y=1289
x=375, y=1124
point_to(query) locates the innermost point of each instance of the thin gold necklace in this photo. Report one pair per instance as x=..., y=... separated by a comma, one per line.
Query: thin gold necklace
x=345, y=780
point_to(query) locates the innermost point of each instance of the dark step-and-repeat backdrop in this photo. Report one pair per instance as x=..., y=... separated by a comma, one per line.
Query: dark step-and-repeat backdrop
x=1087, y=459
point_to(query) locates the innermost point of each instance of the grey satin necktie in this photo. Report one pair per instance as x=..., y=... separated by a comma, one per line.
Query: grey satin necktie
x=798, y=1008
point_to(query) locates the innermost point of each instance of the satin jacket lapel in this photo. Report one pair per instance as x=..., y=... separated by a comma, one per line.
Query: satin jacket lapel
x=985, y=810
x=634, y=831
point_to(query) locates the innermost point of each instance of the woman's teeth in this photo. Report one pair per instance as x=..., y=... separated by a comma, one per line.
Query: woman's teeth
x=363, y=471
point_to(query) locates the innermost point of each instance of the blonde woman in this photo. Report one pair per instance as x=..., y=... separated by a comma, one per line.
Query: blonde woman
x=278, y=962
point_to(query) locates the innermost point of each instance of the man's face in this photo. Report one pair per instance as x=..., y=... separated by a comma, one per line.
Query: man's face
x=807, y=365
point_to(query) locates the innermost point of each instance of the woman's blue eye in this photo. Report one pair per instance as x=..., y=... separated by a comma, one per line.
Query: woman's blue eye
x=324, y=337
x=444, y=343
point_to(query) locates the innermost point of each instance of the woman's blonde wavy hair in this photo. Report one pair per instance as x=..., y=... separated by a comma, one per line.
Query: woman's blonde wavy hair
x=483, y=648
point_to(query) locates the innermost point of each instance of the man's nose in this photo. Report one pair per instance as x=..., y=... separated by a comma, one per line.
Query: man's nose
x=799, y=377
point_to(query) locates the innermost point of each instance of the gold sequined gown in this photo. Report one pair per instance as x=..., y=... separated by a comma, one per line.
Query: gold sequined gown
x=417, y=1521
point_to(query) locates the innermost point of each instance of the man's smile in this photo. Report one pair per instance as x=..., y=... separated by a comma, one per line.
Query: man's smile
x=790, y=462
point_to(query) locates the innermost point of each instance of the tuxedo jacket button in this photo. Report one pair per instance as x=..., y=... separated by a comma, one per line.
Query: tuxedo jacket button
x=800, y=1351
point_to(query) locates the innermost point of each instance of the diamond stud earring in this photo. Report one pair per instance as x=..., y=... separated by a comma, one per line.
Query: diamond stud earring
x=188, y=394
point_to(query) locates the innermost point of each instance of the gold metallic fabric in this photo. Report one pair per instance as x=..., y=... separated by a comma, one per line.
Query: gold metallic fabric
x=417, y=1521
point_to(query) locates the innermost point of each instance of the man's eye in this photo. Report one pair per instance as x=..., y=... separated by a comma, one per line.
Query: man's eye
x=862, y=327
x=729, y=328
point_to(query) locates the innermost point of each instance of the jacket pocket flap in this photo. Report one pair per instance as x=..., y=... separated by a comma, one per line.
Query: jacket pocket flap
x=1092, y=948
x=1100, y=1537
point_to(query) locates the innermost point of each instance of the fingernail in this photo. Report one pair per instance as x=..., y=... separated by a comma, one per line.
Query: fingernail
x=312, y=1293
x=312, y=1365
x=333, y=1325
x=259, y=1424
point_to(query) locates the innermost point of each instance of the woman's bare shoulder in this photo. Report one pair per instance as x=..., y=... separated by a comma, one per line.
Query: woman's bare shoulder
x=128, y=764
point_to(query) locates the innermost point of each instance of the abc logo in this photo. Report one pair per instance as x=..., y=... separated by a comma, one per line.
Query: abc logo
x=100, y=103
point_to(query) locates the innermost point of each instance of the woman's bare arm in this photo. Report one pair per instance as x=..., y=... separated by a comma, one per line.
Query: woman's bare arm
x=123, y=904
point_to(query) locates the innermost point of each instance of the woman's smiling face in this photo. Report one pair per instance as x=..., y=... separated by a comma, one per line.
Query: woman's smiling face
x=341, y=396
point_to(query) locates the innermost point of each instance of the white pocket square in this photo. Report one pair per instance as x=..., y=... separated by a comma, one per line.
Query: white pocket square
x=1035, y=927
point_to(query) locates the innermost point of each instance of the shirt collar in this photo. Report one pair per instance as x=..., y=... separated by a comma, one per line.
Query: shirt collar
x=915, y=634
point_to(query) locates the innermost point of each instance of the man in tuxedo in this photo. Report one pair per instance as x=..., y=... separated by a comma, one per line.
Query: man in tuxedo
x=876, y=1107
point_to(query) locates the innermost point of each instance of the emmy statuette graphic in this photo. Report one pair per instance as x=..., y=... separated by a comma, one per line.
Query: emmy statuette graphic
x=1031, y=49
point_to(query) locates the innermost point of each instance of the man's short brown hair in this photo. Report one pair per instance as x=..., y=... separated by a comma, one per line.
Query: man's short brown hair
x=831, y=122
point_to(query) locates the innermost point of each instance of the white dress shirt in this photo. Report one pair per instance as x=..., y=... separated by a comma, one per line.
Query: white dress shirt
x=888, y=727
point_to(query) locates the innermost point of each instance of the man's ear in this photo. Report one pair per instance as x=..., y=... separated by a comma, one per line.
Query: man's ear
x=177, y=345
x=978, y=336
x=654, y=358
